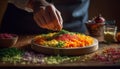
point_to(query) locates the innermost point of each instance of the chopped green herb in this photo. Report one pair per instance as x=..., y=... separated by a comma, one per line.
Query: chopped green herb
x=61, y=32
x=60, y=44
x=12, y=55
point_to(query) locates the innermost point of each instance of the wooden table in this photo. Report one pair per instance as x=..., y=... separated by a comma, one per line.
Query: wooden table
x=24, y=43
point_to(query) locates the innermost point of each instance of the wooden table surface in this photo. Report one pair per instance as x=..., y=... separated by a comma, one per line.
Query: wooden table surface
x=24, y=43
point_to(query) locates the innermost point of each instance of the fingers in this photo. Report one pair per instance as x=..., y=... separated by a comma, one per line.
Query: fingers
x=59, y=17
x=48, y=20
x=49, y=17
x=52, y=12
x=38, y=17
x=43, y=19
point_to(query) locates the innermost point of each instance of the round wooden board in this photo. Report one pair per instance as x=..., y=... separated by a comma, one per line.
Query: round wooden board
x=65, y=51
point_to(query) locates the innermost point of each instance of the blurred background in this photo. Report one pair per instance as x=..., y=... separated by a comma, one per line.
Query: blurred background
x=110, y=10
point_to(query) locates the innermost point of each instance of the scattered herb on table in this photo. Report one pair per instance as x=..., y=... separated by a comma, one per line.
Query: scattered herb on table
x=60, y=59
x=32, y=58
x=12, y=55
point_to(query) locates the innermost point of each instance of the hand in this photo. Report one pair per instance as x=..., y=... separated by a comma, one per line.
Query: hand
x=48, y=17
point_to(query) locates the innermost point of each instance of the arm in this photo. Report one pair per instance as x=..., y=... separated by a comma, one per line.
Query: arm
x=46, y=15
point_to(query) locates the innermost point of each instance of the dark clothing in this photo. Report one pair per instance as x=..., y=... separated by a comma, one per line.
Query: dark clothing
x=74, y=13
x=19, y=21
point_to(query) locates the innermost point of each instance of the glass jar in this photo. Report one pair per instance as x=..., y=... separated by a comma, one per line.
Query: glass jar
x=110, y=31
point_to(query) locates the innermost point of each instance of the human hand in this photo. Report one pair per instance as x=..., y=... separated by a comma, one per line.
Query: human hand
x=48, y=17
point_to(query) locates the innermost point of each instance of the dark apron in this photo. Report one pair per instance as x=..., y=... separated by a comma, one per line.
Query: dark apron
x=19, y=21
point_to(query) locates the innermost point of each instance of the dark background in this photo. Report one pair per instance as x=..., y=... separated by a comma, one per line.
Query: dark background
x=110, y=10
